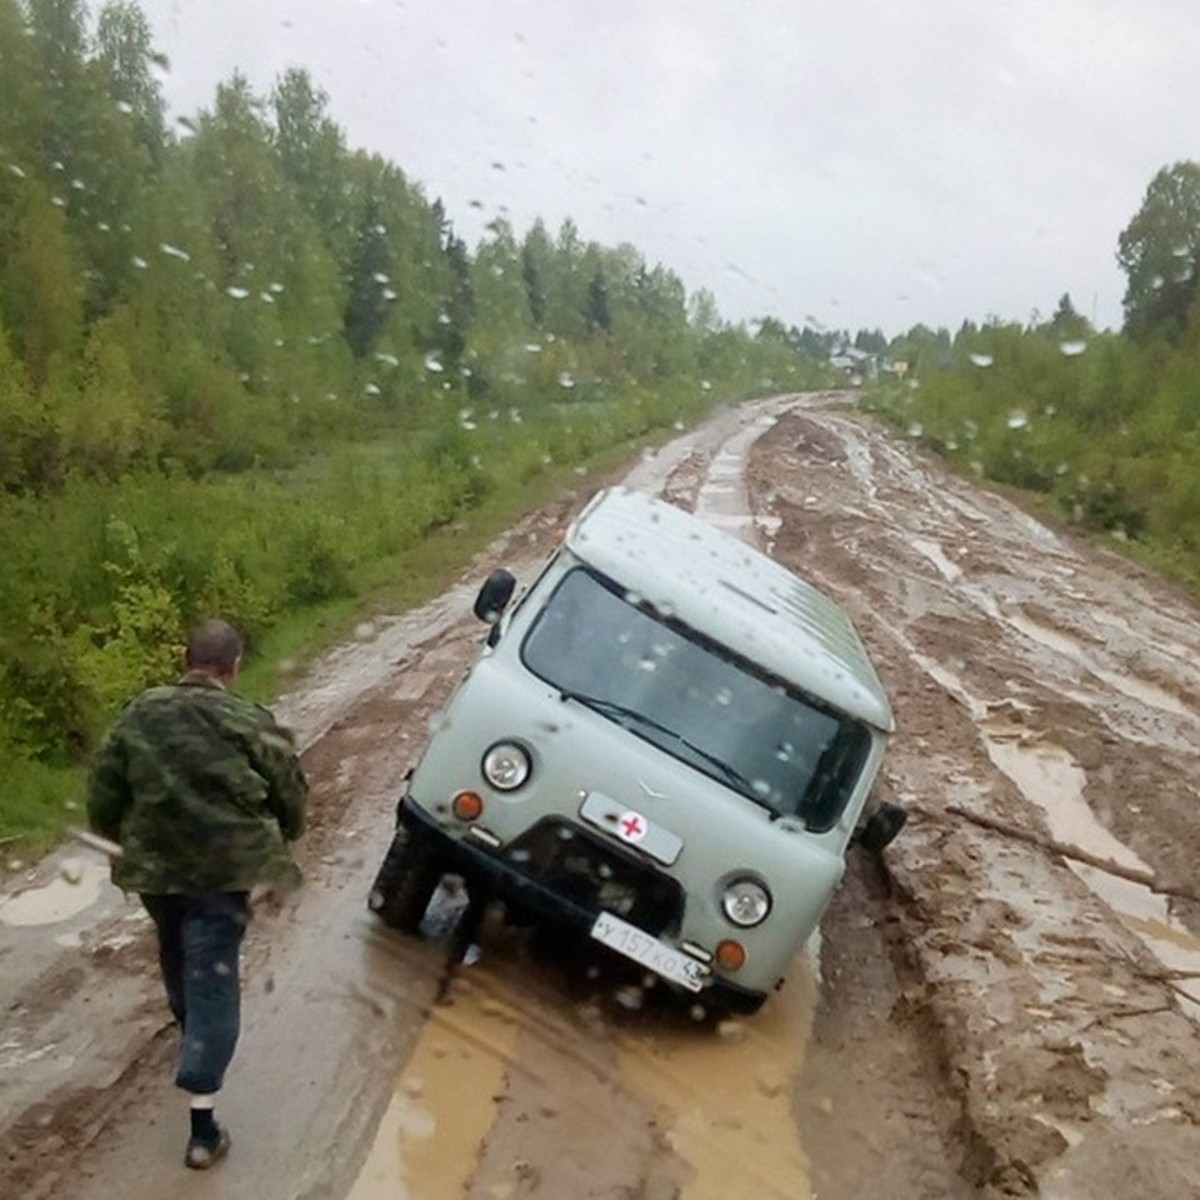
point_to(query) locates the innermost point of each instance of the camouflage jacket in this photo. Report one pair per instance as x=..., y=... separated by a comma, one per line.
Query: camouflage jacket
x=201, y=788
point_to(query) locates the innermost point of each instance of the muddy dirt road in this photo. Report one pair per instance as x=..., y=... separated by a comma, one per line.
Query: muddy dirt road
x=978, y=1018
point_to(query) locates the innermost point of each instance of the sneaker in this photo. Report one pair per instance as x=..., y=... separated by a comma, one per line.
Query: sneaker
x=201, y=1155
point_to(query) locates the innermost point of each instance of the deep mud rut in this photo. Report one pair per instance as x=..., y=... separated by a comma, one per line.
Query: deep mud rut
x=978, y=1017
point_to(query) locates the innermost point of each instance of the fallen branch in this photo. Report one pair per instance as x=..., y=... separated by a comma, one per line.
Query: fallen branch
x=1146, y=879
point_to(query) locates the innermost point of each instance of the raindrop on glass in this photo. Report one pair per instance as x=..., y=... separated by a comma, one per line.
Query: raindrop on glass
x=982, y=360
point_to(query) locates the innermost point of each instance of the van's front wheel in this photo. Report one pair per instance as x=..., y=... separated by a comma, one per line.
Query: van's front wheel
x=405, y=883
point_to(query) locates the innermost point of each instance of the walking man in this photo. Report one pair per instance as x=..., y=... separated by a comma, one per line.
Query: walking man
x=202, y=790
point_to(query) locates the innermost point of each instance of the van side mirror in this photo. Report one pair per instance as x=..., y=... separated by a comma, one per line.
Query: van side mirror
x=494, y=595
x=881, y=827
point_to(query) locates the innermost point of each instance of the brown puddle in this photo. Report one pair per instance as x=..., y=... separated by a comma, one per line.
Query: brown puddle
x=721, y=1099
x=1051, y=779
x=725, y=1099
x=427, y=1145
x=1124, y=682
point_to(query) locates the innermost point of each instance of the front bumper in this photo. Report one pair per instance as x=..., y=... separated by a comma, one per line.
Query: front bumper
x=485, y=871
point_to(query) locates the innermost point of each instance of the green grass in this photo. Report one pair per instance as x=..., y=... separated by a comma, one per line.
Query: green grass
x=40, y=801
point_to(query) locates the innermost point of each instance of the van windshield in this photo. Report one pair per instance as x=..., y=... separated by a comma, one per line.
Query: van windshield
x=603, y=648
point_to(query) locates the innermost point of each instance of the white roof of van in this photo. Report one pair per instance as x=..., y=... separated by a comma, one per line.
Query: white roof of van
x=722, y=587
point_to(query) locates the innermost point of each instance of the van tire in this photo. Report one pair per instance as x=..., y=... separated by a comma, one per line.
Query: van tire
x=405, y=884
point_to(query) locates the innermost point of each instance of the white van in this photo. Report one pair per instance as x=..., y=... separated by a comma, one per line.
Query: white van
x=667, y=743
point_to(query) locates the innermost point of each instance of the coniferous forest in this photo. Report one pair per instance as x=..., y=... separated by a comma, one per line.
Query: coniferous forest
x=245, y=366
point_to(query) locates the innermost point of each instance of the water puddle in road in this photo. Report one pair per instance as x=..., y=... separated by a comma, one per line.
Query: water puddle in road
x=1128, y=685
x=1050, y=778
x=726, y=1100
x=75, y=889
x=427, y=1145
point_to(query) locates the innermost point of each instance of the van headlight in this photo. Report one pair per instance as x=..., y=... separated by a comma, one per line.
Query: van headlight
x=506, y=766
x=746, y=902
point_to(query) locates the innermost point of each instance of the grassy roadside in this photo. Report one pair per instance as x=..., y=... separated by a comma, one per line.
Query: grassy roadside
x=42, y=800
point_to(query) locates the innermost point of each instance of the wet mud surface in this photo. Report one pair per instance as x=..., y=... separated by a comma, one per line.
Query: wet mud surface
x=977, y=1017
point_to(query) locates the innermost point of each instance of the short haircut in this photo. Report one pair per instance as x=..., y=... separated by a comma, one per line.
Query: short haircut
x=214, y=644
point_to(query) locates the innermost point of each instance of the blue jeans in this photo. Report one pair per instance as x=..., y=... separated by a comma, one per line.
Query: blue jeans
x=199, y=939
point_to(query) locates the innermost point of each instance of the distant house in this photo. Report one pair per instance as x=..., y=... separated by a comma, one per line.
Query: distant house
x=855, y=363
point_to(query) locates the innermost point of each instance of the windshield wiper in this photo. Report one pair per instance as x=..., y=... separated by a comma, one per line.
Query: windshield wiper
x=613, y=708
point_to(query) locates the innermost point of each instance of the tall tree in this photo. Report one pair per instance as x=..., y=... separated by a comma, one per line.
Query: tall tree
x=311, y=148
x=124, y=56
x=1159, y=251
x=537, y=253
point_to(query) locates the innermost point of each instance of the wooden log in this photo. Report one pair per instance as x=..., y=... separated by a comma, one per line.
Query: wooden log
x=1146, y=879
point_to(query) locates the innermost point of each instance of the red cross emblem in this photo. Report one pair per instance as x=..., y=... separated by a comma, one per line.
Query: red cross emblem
x=632, y=827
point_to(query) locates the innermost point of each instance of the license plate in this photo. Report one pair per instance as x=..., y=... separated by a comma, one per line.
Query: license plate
x=660, y=958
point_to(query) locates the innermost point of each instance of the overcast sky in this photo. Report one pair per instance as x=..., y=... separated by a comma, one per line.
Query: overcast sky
x=853, y=162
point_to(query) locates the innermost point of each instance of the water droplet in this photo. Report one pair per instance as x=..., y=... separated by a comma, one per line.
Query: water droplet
x=388, y=294
x=380, y=277
x=433, y=363
x=1017, y=419
x=175, y=252
x=916, y=430
x=566, y=380
x=982, y=360
x=236, y=293
x=15, y=170
x=140, y=263
x=388, y=359
x=1072, y=348
x=372, y=389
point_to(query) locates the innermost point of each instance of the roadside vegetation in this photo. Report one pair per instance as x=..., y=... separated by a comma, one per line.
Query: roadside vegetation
x=1103, y=426
x=246, y=369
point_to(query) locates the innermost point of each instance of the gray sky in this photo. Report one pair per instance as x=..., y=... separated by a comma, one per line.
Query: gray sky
x=858, y=162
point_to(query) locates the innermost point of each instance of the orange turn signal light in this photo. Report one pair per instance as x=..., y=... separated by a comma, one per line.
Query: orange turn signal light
x=467, y=806
x=730, y=955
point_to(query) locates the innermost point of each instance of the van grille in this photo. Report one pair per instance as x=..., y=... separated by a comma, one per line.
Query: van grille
x=586, y=870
